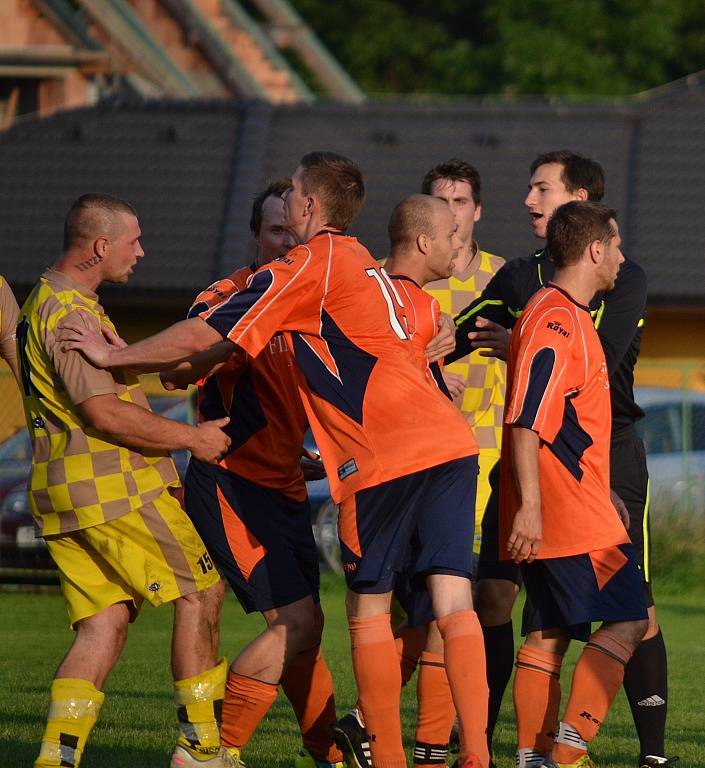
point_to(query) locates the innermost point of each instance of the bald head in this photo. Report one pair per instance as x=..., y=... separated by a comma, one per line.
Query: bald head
x=416, y=215
x=93, y=216
x=423, y=240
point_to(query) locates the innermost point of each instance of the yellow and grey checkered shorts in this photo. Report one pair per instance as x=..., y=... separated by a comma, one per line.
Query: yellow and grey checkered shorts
x=152, y=553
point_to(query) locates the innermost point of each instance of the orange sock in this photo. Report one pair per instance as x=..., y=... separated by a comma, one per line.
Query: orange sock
x=246, y=702
x=376, y=667
x=537, y=698
x=436, y=712
x=410, y=642
x=597, y=678
x=308, y=685
x=464, y=653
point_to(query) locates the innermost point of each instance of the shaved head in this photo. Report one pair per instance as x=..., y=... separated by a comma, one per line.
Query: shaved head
x=414, y=216
x=93, y=216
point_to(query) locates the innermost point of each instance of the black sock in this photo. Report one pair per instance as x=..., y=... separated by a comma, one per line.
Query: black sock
x=499, y=651
x=646, y=685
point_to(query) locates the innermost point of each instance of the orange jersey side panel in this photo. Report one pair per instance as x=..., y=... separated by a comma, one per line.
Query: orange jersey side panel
x=369, y=404
x=261, y=396
x=557, y=386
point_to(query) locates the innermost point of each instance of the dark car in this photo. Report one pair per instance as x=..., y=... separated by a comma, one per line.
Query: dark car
x=19, y=548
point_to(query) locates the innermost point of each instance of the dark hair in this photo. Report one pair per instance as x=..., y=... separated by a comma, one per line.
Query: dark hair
x=273, y=189
x=578, y=172
x=338, y=184
x=455, y=170
x=91, y=216
x=410, y=218
x=574, y=226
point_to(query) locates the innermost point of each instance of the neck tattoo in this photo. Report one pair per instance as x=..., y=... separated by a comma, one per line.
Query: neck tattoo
x=83, y=266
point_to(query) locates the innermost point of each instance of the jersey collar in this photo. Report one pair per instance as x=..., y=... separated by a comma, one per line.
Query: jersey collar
x=401, y=276
x=550, y=284
x=329, y=232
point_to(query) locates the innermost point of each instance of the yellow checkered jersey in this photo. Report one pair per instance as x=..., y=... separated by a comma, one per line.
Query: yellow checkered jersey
x=80, y=477
x=483, y=399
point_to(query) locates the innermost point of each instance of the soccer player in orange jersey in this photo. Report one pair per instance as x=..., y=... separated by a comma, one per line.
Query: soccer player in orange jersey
x=424, y=246
x=253, y=514
x=376, y=420
x=556, y=513
x=558, y=177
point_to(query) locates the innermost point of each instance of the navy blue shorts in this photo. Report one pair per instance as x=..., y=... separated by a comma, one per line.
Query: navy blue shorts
x=260, y=540
x=572, y=592
x=413, y=596
x=417, y=525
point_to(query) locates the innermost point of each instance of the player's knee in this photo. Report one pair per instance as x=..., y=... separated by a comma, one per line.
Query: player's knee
x=630, y=632
x=201, y=609
x=550, y=641
x=299, y=624
x=494, y=600
x=107, y=629
x=213, y=598
x=639, y=630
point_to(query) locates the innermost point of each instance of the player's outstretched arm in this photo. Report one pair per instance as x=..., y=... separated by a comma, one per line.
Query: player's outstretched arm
x=492, y=339
x=156, y=353
x=199, y=366
x=136, y=427
x=525, y=539
x=495, y=303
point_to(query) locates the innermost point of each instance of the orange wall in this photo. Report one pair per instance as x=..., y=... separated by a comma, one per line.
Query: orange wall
x=673, y=348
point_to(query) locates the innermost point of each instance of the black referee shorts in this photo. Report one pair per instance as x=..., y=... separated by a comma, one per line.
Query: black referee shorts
x=629, y=479
x=489, y=565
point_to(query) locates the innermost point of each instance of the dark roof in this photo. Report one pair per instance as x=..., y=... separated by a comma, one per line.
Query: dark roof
x=192, y=171
x=173, y=164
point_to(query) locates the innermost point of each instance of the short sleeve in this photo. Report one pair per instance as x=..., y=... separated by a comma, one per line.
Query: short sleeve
x=81, y=379
x=280, y=296
x=540, y=358
x=9, y=315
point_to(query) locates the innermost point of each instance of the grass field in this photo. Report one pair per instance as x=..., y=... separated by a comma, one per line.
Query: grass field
x=137, y=725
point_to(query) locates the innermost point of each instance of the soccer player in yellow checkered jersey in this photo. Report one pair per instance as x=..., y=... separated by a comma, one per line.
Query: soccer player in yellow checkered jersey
x=476, y=382
x=99, y=492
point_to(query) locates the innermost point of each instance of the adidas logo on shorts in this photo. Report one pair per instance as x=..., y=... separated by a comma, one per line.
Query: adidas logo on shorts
x=651, y=701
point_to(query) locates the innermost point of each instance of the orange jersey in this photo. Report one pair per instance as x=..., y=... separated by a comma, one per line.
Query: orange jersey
x=422, y=314
x=557, y=386
x=369, y=404
x=261, y=397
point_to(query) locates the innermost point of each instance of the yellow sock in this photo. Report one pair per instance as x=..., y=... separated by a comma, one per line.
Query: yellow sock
x=73, y=710
x=199, y=702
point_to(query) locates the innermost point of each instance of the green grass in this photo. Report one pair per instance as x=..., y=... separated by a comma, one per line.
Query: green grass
x=679, y=557
x=137, y=725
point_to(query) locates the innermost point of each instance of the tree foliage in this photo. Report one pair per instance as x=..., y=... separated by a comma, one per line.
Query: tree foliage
x=544, y=47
